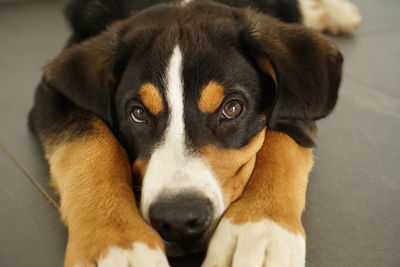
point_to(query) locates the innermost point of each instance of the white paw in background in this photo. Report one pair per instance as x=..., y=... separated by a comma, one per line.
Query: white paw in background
x=343, y=16
x=314, y=15
x=259, y=244
x=139, y=256
x=334, y=16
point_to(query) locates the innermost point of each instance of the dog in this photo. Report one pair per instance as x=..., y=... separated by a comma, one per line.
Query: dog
x=176, y=125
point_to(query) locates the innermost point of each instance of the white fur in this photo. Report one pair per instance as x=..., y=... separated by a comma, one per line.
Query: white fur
x=333, y=15
x=342, y=15
x=185, y=2
x=314, y=14
x=172, y=168
x=259, y=244
x=83, y=265
x=140, y=255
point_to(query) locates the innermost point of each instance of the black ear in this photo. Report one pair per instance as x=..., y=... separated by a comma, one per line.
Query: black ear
x=87, y=73
x=306, y=68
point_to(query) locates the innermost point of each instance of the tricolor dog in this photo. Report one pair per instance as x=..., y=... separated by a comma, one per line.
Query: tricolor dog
x=174, y=126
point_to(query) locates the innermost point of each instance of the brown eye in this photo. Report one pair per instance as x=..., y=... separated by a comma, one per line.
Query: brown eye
x=232, y=109
x=139, y=114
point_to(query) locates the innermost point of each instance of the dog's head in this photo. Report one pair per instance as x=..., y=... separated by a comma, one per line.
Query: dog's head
x=189, y=91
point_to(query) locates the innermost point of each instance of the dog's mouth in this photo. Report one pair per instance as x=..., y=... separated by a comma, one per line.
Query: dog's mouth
x=184, y=248
x=193, y=246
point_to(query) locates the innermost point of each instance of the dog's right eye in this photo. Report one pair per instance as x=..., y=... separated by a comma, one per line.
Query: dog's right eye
x=232, y=109
x=139, y=114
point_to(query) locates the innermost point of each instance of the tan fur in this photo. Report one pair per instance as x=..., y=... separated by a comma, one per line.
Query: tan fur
x=266, y=66
x=151, y=98
x=211, y=97
x=277, y=187
x=233, y=167
x=139, y=168
x=93, y=178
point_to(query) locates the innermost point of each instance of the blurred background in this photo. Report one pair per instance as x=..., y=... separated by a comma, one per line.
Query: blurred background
x=353, y=210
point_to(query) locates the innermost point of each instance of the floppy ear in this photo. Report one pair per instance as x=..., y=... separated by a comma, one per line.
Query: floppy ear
x=87, y=73
x=306, y=68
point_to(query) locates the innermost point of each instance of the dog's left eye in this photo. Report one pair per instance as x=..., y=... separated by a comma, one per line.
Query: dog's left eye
x=139, y=114
x=232, y=109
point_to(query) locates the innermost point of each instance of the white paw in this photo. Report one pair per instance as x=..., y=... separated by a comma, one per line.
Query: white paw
x=260, y=244
x=343, y=16
x=139, y=256
x=314, y=15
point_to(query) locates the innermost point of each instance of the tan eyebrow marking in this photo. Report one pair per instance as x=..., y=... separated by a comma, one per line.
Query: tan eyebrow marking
x=151, y=97
x=211, y=97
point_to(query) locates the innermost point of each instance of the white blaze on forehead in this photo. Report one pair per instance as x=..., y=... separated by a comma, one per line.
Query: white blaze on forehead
x=171, y=168
x=175, y=132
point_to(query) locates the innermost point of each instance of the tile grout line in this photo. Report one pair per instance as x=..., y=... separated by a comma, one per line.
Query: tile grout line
x=31, y=179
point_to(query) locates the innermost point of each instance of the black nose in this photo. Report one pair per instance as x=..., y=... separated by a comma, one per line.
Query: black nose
x=183, y=217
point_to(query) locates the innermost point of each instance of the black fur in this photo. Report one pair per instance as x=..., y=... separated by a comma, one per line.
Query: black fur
x=89, y=18
x=103, y=69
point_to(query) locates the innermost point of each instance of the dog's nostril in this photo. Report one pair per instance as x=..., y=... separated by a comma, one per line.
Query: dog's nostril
x=182, y=217
x=192, y=224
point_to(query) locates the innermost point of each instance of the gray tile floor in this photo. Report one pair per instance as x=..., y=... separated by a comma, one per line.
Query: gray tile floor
x=353, y=213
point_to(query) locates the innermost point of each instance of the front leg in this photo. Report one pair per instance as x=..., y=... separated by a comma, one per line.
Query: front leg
x=92, y=175
x=263, y=227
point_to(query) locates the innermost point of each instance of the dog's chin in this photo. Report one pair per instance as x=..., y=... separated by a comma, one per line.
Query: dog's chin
x=184, y=248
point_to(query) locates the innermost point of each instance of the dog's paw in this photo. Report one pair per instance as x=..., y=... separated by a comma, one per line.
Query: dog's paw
x=139, y=255
x=314, y=15
x=343, y=16
x=256, y=244
x=135, y=245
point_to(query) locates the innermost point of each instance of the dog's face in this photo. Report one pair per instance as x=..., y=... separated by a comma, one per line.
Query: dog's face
x=192, y=106
x=189, y=91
